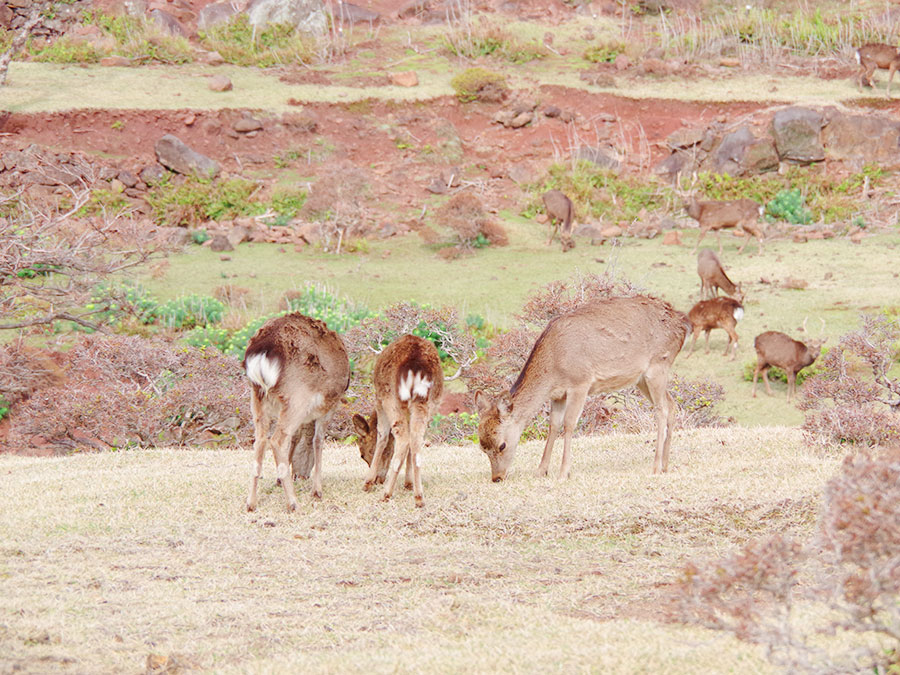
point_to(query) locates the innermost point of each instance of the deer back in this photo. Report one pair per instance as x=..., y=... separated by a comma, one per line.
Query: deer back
x=716, y=313
x=711, y=273
x=409, y=370
x=608, y=343
x=559, y=207
x=880, y=54
x=774, y=348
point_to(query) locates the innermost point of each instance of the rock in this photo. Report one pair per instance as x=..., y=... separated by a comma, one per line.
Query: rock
x=127, y=179
x=611, y=231
x=450, y=177
x=728, y=157
x=857, y=237
x=219, y=83
x=522, y=173
x=173, y=154
x=219, y=242
x=247, y=124
x=652, y=66
x=214, y=14
x=796, y=131
x=863, y=138
x=308, y=16
x=794, y=284
x=115, y=61
x=598, y=157
x=728, y=62
x=152, y=174
x=309, y=232
x=168, y=23
x=350, y=13
x=405, y=79
x=212, y=58
x=673, y=165
x=437, y=187
x=598, y=79
x=685, y=137
x=760, y=157
x=552, y=111
x=238, y=235
x=622, y=62
x=672, y=238
x=411, y=8
x=521, y=120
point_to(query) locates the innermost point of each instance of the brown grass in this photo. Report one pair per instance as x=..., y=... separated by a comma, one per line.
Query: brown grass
x=109, y=558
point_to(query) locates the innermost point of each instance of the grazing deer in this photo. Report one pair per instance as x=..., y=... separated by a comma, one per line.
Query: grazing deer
x=721, y=313
x=561, y=213
x=409, y=384
x=872, y=56
x=777, y=349
x=298, y=370
x=602, y=346
x=713, y=277
x=743, y=214
x=368, y=435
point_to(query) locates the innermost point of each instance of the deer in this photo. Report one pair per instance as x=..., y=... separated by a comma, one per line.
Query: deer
x=713, y=277
x=742, y=214
x=561, y=213
x=409, y=384
x=721, y=312
x=872, y=56
x=600, y=347
x=774, y=348
x=367, y=432
x=298, y=371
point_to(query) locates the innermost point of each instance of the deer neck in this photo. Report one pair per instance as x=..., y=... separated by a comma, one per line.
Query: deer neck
x=529, y=397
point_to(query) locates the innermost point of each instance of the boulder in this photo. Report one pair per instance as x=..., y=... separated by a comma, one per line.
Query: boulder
x=308, y=16
x=405, y=79
x=796, y=131
x=598, y=157
x=219, y=83
x=728, y=157
x=167, y=23
x=247, y=124
x=219, y=242
x=760, y=156
x=350, y=13
x=152, y=174
x=173, y=154
x=685, y=137
x=864, y=138
x=214, y=14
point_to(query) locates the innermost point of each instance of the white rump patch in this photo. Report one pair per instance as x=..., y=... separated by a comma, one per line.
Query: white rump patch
x=414, y=385
x=738, y=313
x=263, y=371
x=419, y=459
x=762, y=210
x=857, y=57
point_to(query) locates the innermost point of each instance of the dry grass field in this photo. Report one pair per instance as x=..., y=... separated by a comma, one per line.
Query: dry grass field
x=112, y=559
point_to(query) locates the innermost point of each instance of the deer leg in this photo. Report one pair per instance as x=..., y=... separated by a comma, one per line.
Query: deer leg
x=557, y=409
x=574, y=405
x=318, y=440
x=553, y=229
x=302, y=454
x=381, y=441
x=791, y=382
x=719, y=241
x=417, y=422
x=285, y=428
x=765, y=374
x=693, y=342
x=400, y=430
x=261, y=423
x=653, y=386
x=410, y=472
x=732, y=342
x=699, y=239
x=891, y=71
x=707, y=340
x=755, y=376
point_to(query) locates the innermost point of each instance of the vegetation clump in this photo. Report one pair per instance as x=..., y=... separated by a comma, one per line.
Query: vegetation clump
x=480, y=84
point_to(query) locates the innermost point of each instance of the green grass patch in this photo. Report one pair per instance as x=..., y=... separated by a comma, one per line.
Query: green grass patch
x=239, y=43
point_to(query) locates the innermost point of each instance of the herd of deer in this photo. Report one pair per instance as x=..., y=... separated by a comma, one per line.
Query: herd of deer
x=299, y=369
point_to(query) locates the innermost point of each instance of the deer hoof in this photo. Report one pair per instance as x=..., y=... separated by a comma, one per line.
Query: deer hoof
x=292, y=507
x=385, y=498
x=420, y=501
x=367, y=486
x=408, y=485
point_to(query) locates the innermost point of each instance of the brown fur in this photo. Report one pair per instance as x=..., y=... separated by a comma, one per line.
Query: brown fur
x=716, y=313
x=314, y=374
x=777, y=349
x=872, y=56
x=602, y=346
x=560, y=212
x=367, y=430
x=404, y=421
x=713, y=277
x=719, y=215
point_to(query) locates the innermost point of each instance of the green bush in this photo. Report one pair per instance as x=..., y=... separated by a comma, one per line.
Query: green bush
x=195, y=200
x=237, y=343
x=339, y=314
x=788, y=205
x=190, y=311
x=68, y=50
x=603, y=53
x=4, y=407
x=479, y=84
x=208, y=336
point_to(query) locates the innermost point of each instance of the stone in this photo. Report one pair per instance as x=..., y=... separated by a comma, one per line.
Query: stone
x=672, y=238
x=521, y=120
x=405, y=79
x=115, y=61
x=307, y=16
x=552, y=111
x=685, y=137
x=212, y=58
x=862, y=138
x=350, y=13
x=152, y=174
x=598, y=157
x=611, y=231
x=238, y=235
x=622, y=62
x=214, y=14
x=168, y=23
x=522, y=173
x=219, y=83
x=219, y=242
x=173, y=154
x=127, y=179
x=411, y=8
x=729, y=155
x=760, y=156
x=673, y=165
x=796, y=131
x=247, y=124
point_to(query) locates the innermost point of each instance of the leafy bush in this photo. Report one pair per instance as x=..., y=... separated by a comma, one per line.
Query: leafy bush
x=788, y=205
x=853, y=399
x=479, y=84
x=484, y=38
x=4, y=407
x=192, y=201
x=69, y=50
x=776, y=374
x=208, y=336
x=339, y=314
x=114, y=301
x=454, y=428
x=766, y=593
x=605, y=53
x=189, y=311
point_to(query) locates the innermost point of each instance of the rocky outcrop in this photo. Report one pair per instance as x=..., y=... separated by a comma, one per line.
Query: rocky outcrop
x=308, y=16
x=173, y=154
x=796, y=133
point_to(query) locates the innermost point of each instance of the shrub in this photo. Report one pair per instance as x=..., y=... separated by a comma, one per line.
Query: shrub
x=339, y=314
x=189, y=311
x=788, y=205
x=479, y=84
x=605, y=53
x=132, y=392
x=191, y=201
x=472, y=40
x=853, y=399
x=464, y=214
x=454, y=428
x=847, y=570
x=239, y=43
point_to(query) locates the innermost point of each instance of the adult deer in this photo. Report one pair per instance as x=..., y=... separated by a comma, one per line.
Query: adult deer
x=560, y=212
x=298, y=370
x=602, y=346
x=742, y=214
x=367, y=436
x=409, y=384
x=713, y=277
x=721, y=313
x=872, y=56
x=777, y=349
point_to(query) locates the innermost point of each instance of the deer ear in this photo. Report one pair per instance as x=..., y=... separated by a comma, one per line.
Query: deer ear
x=481, y=401
x=361, y=425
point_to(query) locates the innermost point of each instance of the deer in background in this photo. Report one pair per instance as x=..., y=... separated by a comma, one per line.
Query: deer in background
x=777, y=349
x=742, y=214
x=713, y=277
x=721, y=313
x=367, y=430
x=560, y=214
x=872, y=56
x=602, y=346
x=298, y=370
x=409, y=384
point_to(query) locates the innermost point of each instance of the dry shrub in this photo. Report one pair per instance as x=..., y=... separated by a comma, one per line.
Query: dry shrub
x=24, y=371
x=127, y=391
x=336, y=201
x=232, y=295
x=853, y=399
x=465, y=215
x=850, y=567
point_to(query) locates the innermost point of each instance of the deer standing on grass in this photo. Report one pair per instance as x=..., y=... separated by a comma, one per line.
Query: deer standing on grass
x=298, y=370
x=560, y=212
x=600, y=347
x=367, y=430
x=742, y=214
x=721, y=313
x=713, y=277
x=872, y=56
x=409, y=384
x=777, y=349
